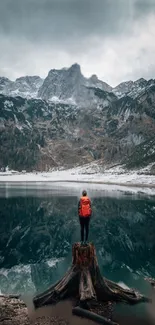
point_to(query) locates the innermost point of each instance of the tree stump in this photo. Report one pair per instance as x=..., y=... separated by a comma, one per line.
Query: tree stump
x=84, y=284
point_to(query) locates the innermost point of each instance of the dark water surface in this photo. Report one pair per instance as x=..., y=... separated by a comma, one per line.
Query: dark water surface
x=38, y=225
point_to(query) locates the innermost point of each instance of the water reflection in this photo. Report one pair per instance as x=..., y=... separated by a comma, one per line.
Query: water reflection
x=39, y=223
x=48, y=189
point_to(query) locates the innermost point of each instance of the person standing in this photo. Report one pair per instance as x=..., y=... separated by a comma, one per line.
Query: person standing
x=85, y=212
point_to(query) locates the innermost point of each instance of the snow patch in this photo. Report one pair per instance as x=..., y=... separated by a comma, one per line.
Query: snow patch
x=8, y=104
x=94, y=176
x=123, y=285
x=53, y=261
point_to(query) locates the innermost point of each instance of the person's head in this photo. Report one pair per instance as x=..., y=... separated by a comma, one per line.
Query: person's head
x=84, y=193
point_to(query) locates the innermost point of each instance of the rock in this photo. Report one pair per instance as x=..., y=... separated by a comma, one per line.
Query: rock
x=132, y=88
x=93, y=81
x=76, y=121
x=5, y=83
x=24, y=86
x=70, y=85
x=13, y=311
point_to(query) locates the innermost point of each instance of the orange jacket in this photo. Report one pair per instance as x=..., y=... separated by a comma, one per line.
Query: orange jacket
x=84, y=207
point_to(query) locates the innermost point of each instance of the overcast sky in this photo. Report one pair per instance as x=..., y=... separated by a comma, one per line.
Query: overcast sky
x=114, y=39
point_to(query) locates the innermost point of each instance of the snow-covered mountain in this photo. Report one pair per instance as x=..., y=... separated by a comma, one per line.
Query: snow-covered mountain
x=65, y=85
x=39, y=134
x=26, y=87
x=68, y=120
x=93, y=81
x=132, y=88
x=69, y=84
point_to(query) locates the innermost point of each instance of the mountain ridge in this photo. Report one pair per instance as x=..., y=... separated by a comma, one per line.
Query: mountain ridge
x=68, y=84
x=37, y=134
x=79, y=124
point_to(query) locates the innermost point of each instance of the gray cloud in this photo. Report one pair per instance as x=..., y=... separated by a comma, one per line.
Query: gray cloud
x=36, y=35
x=55, y=19
x=143, y=7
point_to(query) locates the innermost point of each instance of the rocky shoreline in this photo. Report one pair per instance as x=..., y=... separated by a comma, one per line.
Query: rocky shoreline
x=13, y=311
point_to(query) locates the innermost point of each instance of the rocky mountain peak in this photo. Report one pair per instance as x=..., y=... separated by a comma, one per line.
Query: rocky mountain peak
x=75, y=68
x=69, y=84
x=29, y=79
x=93, y=78
x=83, y=123
x=123, y=87
x=29, y=83
x=132, y=88
x=141, y=82
x=4, y=82
x=26, y=86
x=93, y=81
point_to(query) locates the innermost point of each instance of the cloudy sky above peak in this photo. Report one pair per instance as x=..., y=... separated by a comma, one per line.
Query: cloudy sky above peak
x=111, y=38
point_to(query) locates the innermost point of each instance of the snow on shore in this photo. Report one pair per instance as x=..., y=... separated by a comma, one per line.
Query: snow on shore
x=135, y=181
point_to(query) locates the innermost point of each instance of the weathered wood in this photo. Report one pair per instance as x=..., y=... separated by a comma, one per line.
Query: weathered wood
x=84, y=255
x=92, y=316
x=84, y=283
x=86, y=289
x=62, y=289
x=108, y=290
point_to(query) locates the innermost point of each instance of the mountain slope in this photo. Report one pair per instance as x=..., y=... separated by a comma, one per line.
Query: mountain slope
x=75, y=120
x=132, y=88
x=27, y=86
x=70, y=84
x=36, y=134
x=39, y=134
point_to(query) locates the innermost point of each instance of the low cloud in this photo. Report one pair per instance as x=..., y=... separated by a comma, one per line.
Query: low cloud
x=113, y=39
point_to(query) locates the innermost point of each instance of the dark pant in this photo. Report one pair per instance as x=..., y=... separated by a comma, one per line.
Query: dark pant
x=84, y=222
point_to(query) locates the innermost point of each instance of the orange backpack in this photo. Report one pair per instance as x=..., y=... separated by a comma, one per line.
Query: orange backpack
x=85, y=207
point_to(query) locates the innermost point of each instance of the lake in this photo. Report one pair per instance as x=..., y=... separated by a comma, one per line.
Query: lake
x=39, y=224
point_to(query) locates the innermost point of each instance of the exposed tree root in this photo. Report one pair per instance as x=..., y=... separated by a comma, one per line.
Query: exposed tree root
x=84, y=282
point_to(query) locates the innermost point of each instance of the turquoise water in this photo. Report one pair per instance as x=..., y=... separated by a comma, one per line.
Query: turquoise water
x=40, y=223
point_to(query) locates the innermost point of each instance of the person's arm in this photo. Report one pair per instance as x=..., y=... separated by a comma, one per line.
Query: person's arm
x=90, y=207
x=79, y=208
